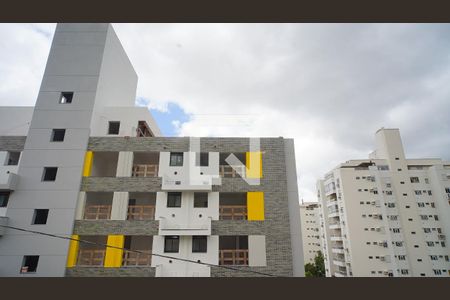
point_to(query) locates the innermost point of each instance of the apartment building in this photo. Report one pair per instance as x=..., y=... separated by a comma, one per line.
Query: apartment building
x=309, y=216
x=87, y=164
x=386, y=215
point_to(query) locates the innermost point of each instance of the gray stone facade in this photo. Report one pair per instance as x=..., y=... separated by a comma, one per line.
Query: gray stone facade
x=12, y=143
x=110, y=272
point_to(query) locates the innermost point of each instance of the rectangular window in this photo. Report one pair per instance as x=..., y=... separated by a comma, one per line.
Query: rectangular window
x=176, y=159
x=199, y=244
x=404, y=271
x=174, y=199
x=401, y=257
x=200, y=199
x=113, y=127
x=202, y=159
x=171, y=244
x=418, y=192
x=414, y=179
x=29, y=264
x=49, y=174
x=388, y=192
x=40, y=217
x=12, y=158
x=58, y=135
x=66, y=97
x=429, y=193
x=4, y=197
x=430, y=244
x=426, y=180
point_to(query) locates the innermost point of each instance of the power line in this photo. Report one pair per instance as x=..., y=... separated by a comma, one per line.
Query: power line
x=136, y=251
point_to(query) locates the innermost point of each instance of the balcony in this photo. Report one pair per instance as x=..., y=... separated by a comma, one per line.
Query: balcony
x=441, y=237
x=104, y=164
x=226, y=171
x=336, y=238
x=340, y=274
x=197, y=227
x=335, y=226
x=141, y=206
x=139, y=253
x=334, y=214
x=233, y=250
x=233, y=206
x=145, y=164
x=337, y=250
x=98, y=206
x=91, y=257
x=339, y=263
x=8, y=178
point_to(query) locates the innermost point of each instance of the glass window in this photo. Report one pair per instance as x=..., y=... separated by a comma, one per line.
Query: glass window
x=4, y=197
x=66, y=97
x=40, y=217
x=113, y=127
x=199, y=244
x=174, y=199
x=200, y=199
x=58, y=135
x=176, y=159
x=49, y=174
x=171, y=244
x=202, y=159
x=29, y=264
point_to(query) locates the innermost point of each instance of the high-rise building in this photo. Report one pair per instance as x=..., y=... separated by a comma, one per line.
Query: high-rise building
x=87, y=164
x=386, y=215
x=309, y=216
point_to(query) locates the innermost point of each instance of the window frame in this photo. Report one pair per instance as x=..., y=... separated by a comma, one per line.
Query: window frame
x=42, y=219
x=110, y=132
x=197, y=201
x=24, y=264
x=54, y=131
x=177, y=162
x=201, y=248
x=66, y=95
x=44, y=174
x=168, y=247
x=169, y=199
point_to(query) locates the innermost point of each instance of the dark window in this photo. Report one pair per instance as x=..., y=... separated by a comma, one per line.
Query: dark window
x=40, y=216
x=113, y=127
x=399, y=170
x=397, y=158
x=58, y=135
x=176, y=159
x=13, y=158
x=199, y=244
x=171, y=244
x=200, y=199
x=49, y=174
x=4, y=196
x=66, y=97
x=173, y=199
x=30, y=263
x=204, y=159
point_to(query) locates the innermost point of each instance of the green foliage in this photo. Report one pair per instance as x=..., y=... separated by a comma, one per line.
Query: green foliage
x=317, y=269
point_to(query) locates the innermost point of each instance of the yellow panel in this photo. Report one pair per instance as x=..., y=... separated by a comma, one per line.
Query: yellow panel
x=113, y=256
x=88, y=163
x=255, y=206
x=254, y=164
x=73, y=252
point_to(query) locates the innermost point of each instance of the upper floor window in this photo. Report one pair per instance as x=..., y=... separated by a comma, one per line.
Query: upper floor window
x=4, y=197
x=58, y=135
x=29, y=264
x=176, y=159
x=200, y=199
x=414, y=179
x=66, y=97
x=173, y=199
x=12, y=158
x=171, y=244
x=199, y=244
x=113, y=127
x=40, y=217
x=49, y=174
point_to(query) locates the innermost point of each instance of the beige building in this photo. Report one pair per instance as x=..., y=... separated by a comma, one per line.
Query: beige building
x=309, y=215
x=386, y=215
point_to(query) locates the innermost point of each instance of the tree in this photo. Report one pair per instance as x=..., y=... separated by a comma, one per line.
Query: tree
x=317, y=269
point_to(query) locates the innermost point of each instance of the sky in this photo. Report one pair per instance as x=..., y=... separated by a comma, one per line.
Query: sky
x=327, y=86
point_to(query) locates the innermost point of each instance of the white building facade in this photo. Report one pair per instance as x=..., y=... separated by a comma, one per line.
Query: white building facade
x=386, y=215
x=309, y=216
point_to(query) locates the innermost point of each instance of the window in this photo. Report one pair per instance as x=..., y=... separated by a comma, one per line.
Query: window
x=29, y=264
x=12, y=159
x=204, y=159
x=430, y=244
x=396, y=230
x=399, y=170
x=397, y=158
x=66, y=97
x=58, y=135
x=429, y=193
x=402, y=182
x=174, y=199
x=437, y=272
x=199, y=244
x=391, y=205
x=176, y=159
x=4, y=197
x=200, y=199
x=421, y=204
x=171, y=244
x=405, y=272
x=427, y=230
x=424, y=217
x=426, y=180
x=388, y=192
x=433, y=257
x=399, y=244
x=49, y=174
x=405, y=194
x=418, y=192
x=388, y=185
x=357, y=178
x=414, y=179
x=40, y=217
x=413, y=232
x=113, y=127
x=436, y=218
x=401, y=257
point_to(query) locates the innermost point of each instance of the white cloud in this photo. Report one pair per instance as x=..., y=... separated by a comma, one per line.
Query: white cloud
x=328, y=86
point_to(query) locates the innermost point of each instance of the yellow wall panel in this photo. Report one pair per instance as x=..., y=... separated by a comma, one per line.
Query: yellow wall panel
x=88, y=158
x=73, y=252
x=254, y=164
x=255, y=206
x=113, y=256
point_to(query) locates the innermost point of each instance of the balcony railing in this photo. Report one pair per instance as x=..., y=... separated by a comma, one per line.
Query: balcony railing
x=97, y=212
x=141, y=212
x=233, y=212
x=145, y=171
x=141, y=258
x=91, y=257
x=233, y=257
x=229, y=172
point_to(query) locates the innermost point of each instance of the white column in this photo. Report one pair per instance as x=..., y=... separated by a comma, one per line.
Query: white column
x=256, y=250
x=119, y=206
x=79, y=212
x=124, y=164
